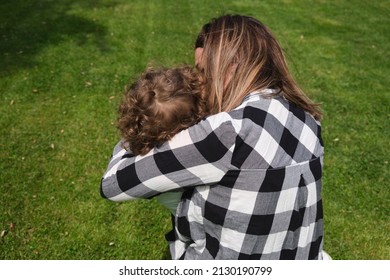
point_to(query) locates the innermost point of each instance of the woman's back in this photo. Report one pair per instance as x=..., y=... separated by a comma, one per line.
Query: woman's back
x=268, y=204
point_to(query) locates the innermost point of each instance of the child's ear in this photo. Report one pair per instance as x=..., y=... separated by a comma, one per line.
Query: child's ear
x=199, y=58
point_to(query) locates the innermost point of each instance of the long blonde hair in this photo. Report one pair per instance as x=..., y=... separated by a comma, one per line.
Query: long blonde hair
x=241, y=56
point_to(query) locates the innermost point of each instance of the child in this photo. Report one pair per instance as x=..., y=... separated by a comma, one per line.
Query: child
x=157, y=106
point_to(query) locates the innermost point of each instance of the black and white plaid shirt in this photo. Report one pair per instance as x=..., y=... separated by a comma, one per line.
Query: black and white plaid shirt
x=252, y=181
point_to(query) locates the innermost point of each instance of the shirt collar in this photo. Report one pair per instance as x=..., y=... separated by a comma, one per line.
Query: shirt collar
x=267, y=91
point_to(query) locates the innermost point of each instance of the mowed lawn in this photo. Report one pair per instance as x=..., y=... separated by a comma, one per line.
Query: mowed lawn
x=63, y=68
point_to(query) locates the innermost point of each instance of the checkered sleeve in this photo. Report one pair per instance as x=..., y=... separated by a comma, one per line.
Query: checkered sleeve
x=196, y=156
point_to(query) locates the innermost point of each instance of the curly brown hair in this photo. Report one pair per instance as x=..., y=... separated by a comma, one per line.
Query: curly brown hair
x=162, y=102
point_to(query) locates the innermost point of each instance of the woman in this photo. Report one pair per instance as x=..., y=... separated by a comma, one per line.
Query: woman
x=252, y=170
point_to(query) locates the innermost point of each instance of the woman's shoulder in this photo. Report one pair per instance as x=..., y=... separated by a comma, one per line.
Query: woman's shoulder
x=260, y=105
x=254, y=107
x=224, y=121
x=257, y=110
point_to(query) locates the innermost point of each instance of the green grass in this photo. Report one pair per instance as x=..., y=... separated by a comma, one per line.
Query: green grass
x=64, y=64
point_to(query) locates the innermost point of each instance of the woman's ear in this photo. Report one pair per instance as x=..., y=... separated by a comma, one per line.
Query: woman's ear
x=230, y=73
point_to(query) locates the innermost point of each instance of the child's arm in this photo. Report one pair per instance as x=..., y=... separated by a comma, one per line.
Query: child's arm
x=197, y=156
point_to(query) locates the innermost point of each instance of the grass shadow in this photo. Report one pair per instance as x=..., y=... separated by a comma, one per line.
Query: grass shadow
x=28, y=26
